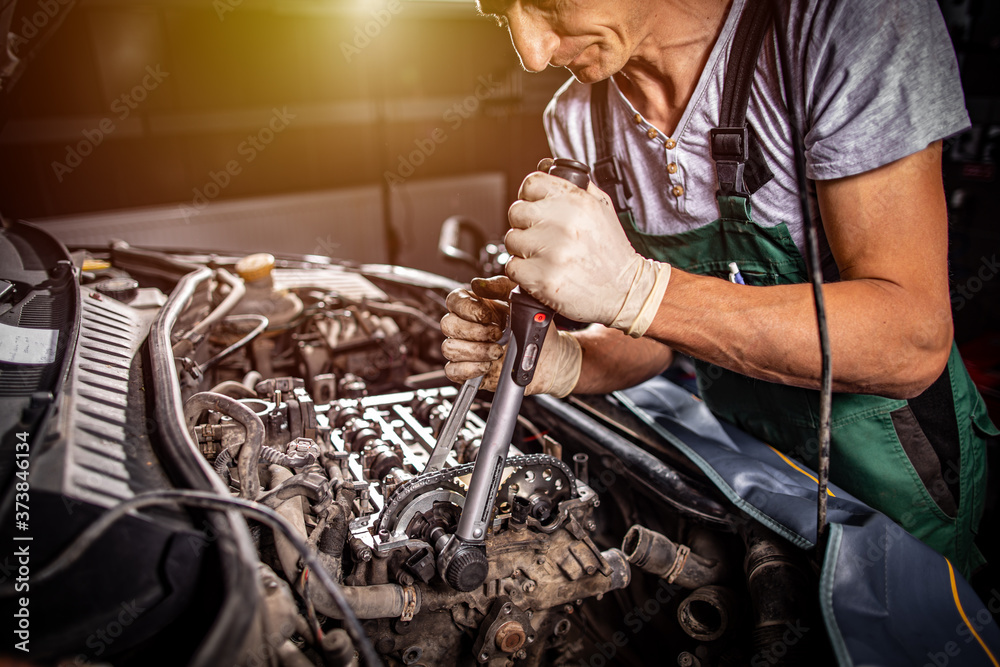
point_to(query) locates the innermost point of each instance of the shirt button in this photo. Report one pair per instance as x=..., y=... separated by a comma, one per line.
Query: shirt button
x=670, y=143
x=677, y=191
x=672, y=168
x=651, y=133
x=638, y=118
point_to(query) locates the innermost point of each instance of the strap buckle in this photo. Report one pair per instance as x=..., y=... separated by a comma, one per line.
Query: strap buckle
x=730, y=149
x=730, y=144
x=608, y=176
x=731, y=178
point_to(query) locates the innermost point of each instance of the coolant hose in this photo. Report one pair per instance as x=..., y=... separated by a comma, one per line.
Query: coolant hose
x=236, y=291
x=249, y=450
x=659, y=555
x=706, y=614
x=783, y=595
x=375, y=601
x=234, y=389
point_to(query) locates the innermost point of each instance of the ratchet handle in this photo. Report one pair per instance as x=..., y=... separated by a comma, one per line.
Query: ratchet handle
x=575, y=172
x=529, y=317
x=529, y=321
x=462, y=559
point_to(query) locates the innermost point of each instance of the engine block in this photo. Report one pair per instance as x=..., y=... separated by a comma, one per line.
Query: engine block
x=350, y=471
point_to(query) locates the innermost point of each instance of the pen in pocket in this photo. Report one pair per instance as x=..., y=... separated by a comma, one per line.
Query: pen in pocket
x=734, y=274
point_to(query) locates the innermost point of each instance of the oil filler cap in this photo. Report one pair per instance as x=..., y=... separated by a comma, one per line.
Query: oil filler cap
x=120, y=289
x=256, y=266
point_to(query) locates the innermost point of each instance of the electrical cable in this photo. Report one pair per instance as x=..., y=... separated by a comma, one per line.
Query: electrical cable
x=393, y=309
x=816, y=278
x=208, y=500
x=262, y=323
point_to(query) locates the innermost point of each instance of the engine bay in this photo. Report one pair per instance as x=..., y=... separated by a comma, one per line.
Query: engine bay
x=314, y=391
x=343, y=452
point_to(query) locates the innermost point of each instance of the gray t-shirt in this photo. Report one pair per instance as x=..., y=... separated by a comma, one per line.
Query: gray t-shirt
x=877, y=80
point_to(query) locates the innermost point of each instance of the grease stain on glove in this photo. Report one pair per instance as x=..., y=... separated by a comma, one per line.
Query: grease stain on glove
x=476, y=321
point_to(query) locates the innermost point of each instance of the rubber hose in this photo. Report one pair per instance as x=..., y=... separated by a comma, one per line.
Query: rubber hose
x=375, y=601
x=249, y=450
x=658, y=554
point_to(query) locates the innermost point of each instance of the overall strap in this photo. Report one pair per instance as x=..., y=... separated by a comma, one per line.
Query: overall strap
x=607, y=169
x=739, y=161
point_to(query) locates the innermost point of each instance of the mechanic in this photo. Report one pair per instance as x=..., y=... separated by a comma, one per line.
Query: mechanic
x=677, y=258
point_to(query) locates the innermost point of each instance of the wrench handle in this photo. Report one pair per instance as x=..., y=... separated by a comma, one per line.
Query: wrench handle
x=529, y=317
x=529, y=321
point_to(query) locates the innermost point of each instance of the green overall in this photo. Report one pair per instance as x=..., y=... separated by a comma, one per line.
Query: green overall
x=922, y=462
x=876, y=444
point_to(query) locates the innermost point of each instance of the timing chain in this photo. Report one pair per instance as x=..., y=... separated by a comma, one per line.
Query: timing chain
x=411, y=488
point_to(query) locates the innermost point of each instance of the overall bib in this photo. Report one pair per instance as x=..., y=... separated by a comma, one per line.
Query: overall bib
x=922, y=461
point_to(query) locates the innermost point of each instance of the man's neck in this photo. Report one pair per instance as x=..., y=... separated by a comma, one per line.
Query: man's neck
x=661, y=76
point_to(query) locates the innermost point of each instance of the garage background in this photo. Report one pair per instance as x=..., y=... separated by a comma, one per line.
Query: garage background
x=352, y=129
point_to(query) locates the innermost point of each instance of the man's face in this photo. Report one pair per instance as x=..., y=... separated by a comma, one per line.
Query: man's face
x=593, y=39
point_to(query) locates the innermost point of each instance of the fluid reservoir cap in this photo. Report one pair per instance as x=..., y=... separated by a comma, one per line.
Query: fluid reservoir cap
x=91, y=264
x=120, y=289
x=255, y=267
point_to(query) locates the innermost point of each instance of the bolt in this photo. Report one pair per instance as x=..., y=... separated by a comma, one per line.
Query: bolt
x=591, y=525
x=484, y=656
x=510, y=637
x=478, y=532
x=528, y=586
x=521, y=655
x=541, y=560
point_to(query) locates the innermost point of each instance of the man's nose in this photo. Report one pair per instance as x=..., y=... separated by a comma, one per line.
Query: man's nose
x=533, y=39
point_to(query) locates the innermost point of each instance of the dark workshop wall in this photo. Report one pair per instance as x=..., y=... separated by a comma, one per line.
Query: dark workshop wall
x=170, y=91
x=971, y=163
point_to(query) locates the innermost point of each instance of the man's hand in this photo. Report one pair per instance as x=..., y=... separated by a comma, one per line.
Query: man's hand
x=570, y=252
x=476, y=321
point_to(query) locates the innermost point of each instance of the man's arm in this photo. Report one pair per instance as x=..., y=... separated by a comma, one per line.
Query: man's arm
x=889, y=319
x=613, y=361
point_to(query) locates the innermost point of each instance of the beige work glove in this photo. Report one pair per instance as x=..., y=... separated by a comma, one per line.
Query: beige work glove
x=570, y=252
x=476, y=321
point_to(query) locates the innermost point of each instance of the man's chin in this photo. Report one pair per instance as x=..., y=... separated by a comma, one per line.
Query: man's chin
x=590, y=73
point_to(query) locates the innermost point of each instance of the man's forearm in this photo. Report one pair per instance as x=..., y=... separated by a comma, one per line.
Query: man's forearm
x=612, y=360
x=889, y=318
x=882, y=341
